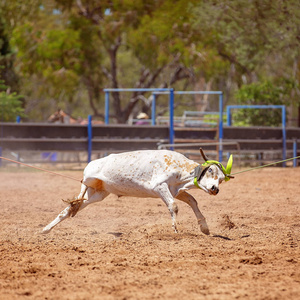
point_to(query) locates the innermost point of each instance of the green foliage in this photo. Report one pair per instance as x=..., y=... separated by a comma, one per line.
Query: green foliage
x=165, y=35
x=49, y=58
x=10, y=102
x=10, y=105
x=249, y=31
x=53, y=54
x=7, y=72
x=262, y=93
x=66, y=51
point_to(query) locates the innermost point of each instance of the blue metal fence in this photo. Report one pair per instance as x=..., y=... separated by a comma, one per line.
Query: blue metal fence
x=171, y=93
x=90, y=136
x=171, y=104
x=283, y=119
x=199, y=93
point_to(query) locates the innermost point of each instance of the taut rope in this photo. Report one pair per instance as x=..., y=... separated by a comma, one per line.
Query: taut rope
x=41, y=169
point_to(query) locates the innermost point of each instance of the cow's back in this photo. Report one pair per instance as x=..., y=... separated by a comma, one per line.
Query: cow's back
x=136, y=173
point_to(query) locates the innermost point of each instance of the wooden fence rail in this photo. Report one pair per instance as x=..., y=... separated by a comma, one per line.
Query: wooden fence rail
x=114, y=138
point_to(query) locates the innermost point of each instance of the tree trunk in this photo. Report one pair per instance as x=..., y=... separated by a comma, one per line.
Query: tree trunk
x=201, y=101
x=116, y=95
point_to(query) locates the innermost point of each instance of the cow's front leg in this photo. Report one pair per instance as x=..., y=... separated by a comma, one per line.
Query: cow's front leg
x=190, y=200
x=164, y=193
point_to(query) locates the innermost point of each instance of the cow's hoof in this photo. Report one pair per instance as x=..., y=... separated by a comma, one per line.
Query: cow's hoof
x=45, y=230
x=205, y=230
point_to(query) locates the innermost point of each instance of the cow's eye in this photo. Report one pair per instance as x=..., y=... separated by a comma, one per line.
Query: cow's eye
x=210, y=170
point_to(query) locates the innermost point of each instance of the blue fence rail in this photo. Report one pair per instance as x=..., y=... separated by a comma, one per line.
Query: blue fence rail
x=283, y=119
x=171, y=93
x=93, y=137
x=171, y=104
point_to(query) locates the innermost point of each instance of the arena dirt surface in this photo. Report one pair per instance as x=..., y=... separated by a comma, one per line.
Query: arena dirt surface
x=125, y=248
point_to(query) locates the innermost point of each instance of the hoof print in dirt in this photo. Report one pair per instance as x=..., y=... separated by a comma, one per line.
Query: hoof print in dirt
x=256, y=260
x=227, y=223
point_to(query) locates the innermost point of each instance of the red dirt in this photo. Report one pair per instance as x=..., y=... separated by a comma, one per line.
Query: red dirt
x=125, y=248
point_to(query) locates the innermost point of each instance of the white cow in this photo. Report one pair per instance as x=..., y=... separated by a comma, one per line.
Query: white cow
x=149, y=173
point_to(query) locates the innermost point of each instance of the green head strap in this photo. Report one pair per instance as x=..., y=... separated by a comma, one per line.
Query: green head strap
x=198, y=171
x=226, y=170
x=196, y=183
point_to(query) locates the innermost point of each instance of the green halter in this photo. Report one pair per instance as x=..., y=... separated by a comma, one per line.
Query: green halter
x=196, y=183
x=226, y=171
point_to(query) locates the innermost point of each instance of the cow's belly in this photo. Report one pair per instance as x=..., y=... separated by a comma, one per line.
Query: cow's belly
x=130, y=189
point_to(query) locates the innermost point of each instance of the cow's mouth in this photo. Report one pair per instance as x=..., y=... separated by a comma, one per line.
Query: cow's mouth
x=214, y=193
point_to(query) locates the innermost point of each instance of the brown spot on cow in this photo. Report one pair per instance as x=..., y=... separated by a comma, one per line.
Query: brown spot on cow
x=186, y=166
x=97, y=185
x=190, y=167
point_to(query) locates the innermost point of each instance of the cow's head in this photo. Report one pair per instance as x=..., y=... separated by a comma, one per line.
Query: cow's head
x=211, y=174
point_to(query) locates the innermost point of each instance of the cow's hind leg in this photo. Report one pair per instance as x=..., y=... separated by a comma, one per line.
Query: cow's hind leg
x=79, y=203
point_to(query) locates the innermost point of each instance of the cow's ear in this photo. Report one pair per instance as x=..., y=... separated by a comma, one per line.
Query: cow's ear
x=198, y=172
x=229, y=165
x=228, y=169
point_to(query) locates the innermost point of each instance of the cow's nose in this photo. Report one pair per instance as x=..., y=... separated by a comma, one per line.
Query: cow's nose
x=215, y=189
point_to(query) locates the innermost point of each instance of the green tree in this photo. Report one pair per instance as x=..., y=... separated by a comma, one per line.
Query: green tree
x=249, y=33
x=12, y=13
x=260, y=39
x=138, y=34
x=167, y=39
x=49, y=59
x=262, y=93
x=10, y=104
x=67, y=50
x=7, y=58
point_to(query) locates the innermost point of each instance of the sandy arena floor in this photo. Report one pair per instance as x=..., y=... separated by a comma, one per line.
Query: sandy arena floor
x=125, y=248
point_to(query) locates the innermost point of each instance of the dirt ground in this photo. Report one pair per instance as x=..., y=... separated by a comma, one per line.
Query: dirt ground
x=125, y=248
